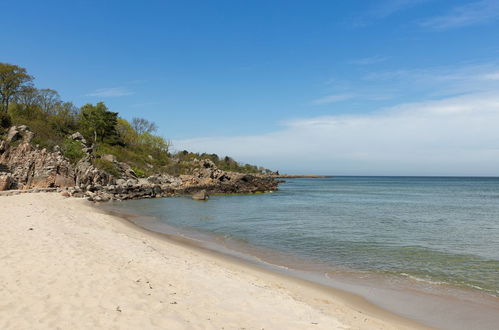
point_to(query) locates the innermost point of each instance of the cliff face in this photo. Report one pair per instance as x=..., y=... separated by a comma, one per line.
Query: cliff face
x=27, y=167
x=24, y=166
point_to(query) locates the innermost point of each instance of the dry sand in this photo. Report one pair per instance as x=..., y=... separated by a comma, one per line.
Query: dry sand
x=65, y=265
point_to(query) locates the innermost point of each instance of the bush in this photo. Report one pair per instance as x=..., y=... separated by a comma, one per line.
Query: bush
x=72, y=150
x=107, y=167
x=140, y=173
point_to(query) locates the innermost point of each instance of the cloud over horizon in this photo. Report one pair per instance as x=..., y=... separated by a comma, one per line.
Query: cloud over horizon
x=450, y=136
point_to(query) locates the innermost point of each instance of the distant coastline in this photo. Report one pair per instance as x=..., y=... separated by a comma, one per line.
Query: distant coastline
x=299, y=176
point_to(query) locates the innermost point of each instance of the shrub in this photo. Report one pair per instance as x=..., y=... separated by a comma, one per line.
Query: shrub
x=72, y=150
x=140, y=173
x=107, y=167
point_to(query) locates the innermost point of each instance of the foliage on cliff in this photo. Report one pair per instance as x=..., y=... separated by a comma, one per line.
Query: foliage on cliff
x=53, y=120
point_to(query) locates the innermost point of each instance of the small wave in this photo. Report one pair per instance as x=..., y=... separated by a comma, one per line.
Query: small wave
x=494, y=293
x=419, y=279
x=260, y=260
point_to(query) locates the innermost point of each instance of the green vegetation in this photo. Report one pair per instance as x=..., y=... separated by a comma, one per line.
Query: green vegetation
x=13, y=80
x=98, y=123
x=72, y=150
x=107, y=166
x=53, y=120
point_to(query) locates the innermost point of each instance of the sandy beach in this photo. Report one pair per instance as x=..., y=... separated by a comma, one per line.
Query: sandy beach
x=64, y=264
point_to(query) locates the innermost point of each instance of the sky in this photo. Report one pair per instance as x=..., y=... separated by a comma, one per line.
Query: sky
x=384, y=87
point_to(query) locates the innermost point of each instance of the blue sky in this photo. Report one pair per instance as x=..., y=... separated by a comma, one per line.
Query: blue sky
x=393, y=87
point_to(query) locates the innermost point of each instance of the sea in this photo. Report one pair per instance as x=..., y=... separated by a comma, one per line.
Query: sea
x=374, y=236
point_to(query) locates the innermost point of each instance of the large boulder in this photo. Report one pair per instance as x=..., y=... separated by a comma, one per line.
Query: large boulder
x=200, y=196
x=78, y=137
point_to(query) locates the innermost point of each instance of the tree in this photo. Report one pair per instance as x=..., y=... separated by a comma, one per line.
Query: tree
x=97, y=122
x=127, y=133
x=141, y=126
x=48, y=99
x=63, y=118
x=27, y=96
x=13, y=79
x=156, y=144
x=31, y=102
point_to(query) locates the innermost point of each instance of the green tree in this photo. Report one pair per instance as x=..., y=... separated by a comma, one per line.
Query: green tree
x=127, y=133
x=63, y=118
x=97, y=122
x=156, y=144
x=13, y=79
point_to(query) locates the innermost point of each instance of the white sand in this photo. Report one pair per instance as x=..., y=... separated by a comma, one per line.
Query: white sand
x=80, y=269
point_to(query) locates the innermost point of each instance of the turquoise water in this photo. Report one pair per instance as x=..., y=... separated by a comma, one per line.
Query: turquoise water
x=441, y=230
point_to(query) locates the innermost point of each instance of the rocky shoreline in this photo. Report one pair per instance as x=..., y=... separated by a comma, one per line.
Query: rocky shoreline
x=25, y=167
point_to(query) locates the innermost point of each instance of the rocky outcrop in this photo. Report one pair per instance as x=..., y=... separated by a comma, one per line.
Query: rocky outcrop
x=210, y=178
x=26, y=167
x=207, y=179
x=31, y=167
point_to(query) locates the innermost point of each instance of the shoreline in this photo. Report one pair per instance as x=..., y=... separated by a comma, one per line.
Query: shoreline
x=350, y=299
x=404, y=297
x=65, y=263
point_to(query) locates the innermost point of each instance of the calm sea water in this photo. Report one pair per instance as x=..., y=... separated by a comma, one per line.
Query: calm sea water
x=442, y=230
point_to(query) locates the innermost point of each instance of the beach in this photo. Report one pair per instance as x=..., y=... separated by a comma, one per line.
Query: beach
x=65, y=264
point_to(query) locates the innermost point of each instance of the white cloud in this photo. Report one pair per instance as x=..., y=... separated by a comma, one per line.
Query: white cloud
x=479, y=12
x=491, y=76
x=452, y=136
x=439, y=81
x=110, y=92
x=333, y=98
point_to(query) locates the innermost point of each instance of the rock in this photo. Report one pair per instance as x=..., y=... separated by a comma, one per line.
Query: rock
x=13, y=134
x=200, y=196
x=65, y=193
x=5, y=181
x=120, y=182
x=109, y=158
x=78, y=137
x=64, y=181
x=16, y=133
